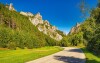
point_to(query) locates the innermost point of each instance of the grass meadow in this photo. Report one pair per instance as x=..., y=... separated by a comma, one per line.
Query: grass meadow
x=24, y=55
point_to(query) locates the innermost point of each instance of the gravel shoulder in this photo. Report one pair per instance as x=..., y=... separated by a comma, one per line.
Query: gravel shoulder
x=68, y=55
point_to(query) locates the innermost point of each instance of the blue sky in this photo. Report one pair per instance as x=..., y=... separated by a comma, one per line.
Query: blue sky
x=64, y=14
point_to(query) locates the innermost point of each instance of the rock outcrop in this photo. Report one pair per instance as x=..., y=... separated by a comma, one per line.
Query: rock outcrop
x=10, y=7
x=37, y=19
x=75, y=29
x=26, y=14
x=43, y=25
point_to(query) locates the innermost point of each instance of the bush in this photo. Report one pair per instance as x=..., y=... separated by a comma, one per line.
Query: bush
x=94, y=44
x=11, y=45
x=64, y=42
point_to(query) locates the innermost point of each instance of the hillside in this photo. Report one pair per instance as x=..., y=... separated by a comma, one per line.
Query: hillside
x=88, y=32
x=43, y=25
x=16, y=30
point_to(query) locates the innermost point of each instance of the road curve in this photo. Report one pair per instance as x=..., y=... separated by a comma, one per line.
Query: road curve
x=68, y=55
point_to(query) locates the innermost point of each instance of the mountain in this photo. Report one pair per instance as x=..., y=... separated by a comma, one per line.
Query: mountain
x=23, y=29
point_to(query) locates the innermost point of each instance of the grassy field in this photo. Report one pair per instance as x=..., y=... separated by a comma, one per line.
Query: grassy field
x=24, y=55
x=91, y=58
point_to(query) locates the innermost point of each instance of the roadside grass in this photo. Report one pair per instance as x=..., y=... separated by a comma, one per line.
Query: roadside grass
x=90, y=57
x=24, y=55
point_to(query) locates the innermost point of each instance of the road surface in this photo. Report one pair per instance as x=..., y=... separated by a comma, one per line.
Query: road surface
x=68, y=55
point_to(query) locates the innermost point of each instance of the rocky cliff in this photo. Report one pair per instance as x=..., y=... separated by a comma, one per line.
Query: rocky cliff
x=43, y=25
x=75, y=29
x=10, y=7
x=26, y=13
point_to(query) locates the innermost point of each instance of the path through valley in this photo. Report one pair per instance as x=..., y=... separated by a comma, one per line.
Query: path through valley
x=68, y=55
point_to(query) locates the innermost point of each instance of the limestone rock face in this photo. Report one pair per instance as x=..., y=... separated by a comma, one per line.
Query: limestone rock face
x=75, y=29
x=43, y=25
x=37, y=19
x=10, y=7
x=46, y=23
x=26, y=13
x=58, y=37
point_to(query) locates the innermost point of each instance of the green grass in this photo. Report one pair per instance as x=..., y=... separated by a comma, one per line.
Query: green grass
x=24, y=55
x=90, y=57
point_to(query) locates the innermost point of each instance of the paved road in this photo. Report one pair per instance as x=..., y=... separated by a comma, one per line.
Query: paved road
x=68, y=55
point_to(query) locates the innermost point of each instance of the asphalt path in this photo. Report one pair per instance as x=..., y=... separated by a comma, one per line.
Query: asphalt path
x=68, y=55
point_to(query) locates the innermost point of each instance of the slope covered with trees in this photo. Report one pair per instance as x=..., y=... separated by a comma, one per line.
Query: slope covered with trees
x=17, y=31
x=88, y=32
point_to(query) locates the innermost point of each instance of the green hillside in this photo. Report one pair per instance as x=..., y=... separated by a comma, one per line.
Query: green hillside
x=17, y=31
x=88, y=33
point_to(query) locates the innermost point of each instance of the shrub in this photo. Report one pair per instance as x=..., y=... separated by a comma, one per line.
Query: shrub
x=11, y=45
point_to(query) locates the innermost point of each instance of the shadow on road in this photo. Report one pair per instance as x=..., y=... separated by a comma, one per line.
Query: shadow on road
x=69, y=59
x=75, y=50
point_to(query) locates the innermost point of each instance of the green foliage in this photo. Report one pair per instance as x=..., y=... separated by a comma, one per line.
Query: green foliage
x=89, y=33
x=4, y=37
x=96, y=14
x=17, y=31
x=75, y=39
x=94, y=44
x=50, y=42
x=11, y=45
x=64, y=42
